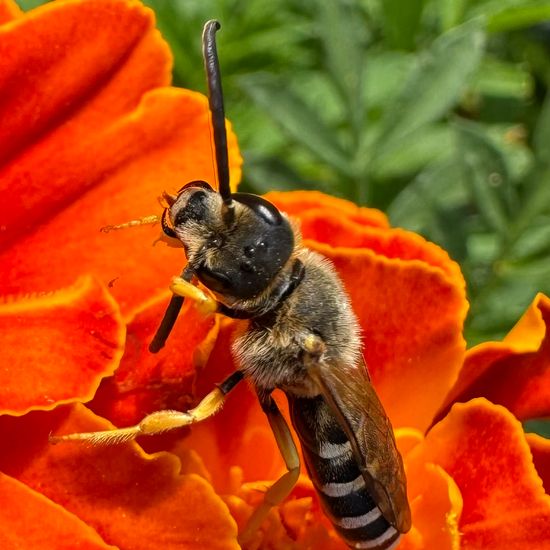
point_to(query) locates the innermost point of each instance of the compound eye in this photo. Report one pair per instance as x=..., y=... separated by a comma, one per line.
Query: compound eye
x=194, y=209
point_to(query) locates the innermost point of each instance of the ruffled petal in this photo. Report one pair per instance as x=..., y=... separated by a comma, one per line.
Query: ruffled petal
x=9, y=10
x=540, y=449
x=91, y=62
x=315, y=203
x=32, y=521
x=56, y=348
x=483, y=448
x=147, y=382
x=436, y=505
x=515, y=372
x=407, y=439
x=132, y=499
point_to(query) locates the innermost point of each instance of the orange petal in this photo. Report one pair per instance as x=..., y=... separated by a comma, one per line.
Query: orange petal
x=165, y=143
x=32, y=521
x=436, y=505
x=91, y=61
x=56, y=348
x=540, y=449
x=514, y=372
x=147, y=382
x=407, y=439
x=483, y=448
x=436, y=502
x=133, y=499
x=9, y=10
x=297, y=203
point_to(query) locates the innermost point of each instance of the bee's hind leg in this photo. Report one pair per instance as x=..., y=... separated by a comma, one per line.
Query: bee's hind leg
x=160, y=421
x=284, y=485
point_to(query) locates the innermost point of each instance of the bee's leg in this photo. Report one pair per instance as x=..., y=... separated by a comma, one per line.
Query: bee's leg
x=284, y=485
x=206, y=304
x=146, y=220
x=160, y=421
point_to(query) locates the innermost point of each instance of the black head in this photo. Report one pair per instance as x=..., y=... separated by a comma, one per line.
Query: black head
x=237, y=260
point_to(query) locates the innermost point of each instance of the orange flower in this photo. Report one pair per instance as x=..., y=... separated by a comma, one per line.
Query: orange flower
x=91, y=135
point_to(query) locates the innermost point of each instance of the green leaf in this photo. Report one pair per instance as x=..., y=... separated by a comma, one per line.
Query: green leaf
x=384, y=76
x=263, y=174
x=401, y=21
x=413, y=152
x=494, y=312
x=436, y=83
x=541, y=427
x=433, y=204
x=517, y=17
x=541, y=135
x=343, y=36
x=296, y=117
x=484, y=171
x=27, y=5
x=451, y=12
x=536, y=201
x=533, y=243
x=502, y=79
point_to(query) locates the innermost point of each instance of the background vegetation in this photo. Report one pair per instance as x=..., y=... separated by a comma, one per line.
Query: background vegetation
x=435, y=111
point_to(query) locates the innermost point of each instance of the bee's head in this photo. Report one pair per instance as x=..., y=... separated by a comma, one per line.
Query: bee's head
x=235, y=251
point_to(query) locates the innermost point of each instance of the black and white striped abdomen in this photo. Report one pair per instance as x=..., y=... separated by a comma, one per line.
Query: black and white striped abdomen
x=337, y=478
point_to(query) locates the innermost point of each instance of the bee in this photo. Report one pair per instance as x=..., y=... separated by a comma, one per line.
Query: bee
x=302, y=337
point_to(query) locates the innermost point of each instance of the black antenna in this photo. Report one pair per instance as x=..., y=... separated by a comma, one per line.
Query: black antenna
x=215, y=100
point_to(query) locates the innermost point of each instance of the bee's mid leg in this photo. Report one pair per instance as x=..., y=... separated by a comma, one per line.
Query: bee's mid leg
x=284, y=485
x=159, y=421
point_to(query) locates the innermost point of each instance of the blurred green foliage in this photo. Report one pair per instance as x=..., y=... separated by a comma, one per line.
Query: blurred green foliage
x=434, y=111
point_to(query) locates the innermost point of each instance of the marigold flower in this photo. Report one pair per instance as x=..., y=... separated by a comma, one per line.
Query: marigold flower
x=91, y=135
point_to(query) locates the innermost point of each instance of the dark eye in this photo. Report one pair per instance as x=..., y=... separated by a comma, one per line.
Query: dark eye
x=195, y=209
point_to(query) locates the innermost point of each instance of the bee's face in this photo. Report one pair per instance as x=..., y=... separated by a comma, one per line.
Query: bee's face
x=236, y=260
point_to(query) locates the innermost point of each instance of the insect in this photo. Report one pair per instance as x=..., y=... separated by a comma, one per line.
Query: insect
x=302, y=337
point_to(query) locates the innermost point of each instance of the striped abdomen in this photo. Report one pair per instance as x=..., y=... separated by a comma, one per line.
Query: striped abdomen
x=337, y=478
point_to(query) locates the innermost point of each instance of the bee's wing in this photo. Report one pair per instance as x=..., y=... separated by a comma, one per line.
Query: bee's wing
x=351, y=396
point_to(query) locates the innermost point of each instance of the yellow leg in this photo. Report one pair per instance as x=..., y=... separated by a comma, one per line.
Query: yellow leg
x=157, y=422
x=146, y=220
x=283, y=486
x=205, y=304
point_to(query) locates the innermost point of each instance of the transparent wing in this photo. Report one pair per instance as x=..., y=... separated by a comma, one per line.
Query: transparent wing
x=351, y=396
